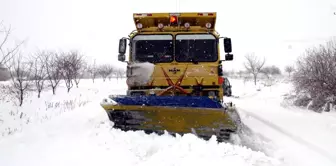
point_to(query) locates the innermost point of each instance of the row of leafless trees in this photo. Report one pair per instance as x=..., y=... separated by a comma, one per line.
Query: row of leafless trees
x=32, y=72
x=48, y=68
x=45, y=68
x=255, y=66
x=54, y=66
x=105, y=71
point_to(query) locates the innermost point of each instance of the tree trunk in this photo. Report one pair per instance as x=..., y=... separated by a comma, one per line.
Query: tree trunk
x=77, y=82
x=21, y=97
x=255, y=79
x=54, y=90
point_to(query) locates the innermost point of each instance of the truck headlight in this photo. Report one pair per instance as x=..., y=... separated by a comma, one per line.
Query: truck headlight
x=151, y=92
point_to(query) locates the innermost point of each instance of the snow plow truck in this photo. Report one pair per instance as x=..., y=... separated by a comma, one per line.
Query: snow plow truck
x=174, y=77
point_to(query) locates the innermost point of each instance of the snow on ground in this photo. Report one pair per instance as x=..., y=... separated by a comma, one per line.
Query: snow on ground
x=89, y=140
x=82, y=134
x=38, y=110
x=302, y=137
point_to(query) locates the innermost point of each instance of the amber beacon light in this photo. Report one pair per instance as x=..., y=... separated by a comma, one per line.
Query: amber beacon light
x=173, y=19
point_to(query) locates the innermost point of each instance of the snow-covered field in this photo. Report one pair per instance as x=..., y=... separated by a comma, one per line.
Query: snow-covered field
x=72, y=129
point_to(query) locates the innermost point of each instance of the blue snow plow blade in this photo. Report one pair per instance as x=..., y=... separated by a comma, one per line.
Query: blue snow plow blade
x=170, y=101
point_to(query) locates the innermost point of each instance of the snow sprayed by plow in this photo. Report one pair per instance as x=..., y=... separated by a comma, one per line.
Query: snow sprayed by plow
x=89, y=139
x=144, y=149
x=140, y=73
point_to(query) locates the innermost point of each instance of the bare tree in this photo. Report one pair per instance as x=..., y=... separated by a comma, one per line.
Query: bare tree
x=105, y=70
x=6, y=54
x=20, y=72
x=92, y=69
x=78, y=66
x=54, y=74
x=254, y=66
x=289, y=70
x=39, y=71
x=65, y=63
x=315, y=75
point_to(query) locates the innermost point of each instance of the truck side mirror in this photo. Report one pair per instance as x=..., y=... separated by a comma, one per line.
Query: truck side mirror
x=227, y=45
x=121, y=57
x=122, y=49
x=229, y=57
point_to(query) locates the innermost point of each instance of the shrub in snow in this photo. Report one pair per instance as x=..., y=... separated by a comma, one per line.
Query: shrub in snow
x=315, y=76
x=302, y=100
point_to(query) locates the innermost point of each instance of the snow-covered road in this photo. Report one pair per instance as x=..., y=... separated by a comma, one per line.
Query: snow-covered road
x=284, y=136
x=298, y=136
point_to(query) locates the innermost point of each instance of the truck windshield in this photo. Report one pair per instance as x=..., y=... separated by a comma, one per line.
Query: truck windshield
x=152, y=48
x=195, y=48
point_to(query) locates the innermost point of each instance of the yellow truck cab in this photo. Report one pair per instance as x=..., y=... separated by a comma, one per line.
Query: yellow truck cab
x=184, y=50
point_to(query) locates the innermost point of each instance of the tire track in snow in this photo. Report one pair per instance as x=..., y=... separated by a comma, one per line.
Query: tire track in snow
x=254, y=141
x=292, y=136
x=242, y=96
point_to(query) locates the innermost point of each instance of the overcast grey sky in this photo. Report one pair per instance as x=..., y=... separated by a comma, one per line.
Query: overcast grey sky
x=269, y=28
